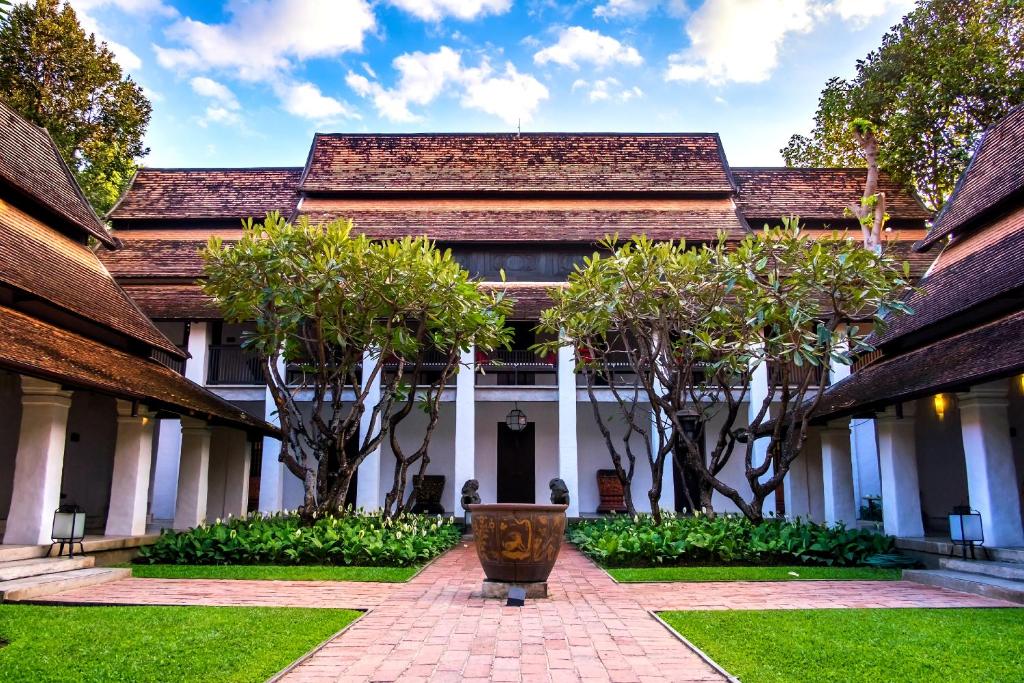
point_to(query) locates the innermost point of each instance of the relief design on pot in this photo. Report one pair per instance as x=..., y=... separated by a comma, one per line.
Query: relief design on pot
x=531, y=538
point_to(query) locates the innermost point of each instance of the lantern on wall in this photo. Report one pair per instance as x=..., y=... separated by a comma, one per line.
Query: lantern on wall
x=516, y=419
x=941, y=403
x=68, y=529
x=965, y=529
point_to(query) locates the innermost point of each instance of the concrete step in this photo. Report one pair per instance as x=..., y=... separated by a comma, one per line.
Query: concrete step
x=1004, y=570
x=41, y=586
x=938, y=546
x=977, y=584
x=19, y=569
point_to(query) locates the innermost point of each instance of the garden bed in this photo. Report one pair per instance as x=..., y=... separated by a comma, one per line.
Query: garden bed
x=238, y=644
x=637, y=542
x=353, y=540
x=839, y=645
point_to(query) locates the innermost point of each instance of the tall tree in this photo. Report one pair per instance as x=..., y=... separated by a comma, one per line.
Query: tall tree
x=682, y=330
x=59, y=77
x=950, y=69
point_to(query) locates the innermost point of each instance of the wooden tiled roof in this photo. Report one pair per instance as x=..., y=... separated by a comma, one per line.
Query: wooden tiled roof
x=208, y=193
x=31, y=164
x=960, y=287
x=982, y=354
x=47, y=351
x=505, y=163
x=994, y=175
x=701, y=222
x=529, y=298
x=174, y=302
x=820, y=194
x=57, y=269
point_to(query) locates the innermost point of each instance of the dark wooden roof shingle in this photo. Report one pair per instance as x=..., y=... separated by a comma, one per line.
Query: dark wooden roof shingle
x=208, y=193
x=994, y=175
x=505, y=163
x=46, y=264
x=37, y=348
x=31, y=164
x=819, y=194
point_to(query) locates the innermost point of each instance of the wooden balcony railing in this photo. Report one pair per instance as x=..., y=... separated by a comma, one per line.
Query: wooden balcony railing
x=233, y=365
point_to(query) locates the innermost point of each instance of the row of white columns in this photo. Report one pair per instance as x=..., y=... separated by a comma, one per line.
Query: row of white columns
x=991, y=473
x=39, y=464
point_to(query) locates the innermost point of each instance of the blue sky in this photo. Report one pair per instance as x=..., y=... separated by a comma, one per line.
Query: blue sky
x=247, y=82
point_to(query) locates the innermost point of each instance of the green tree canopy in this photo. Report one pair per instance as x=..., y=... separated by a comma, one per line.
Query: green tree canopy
x=62, y=79
x=690, y=326
x=324, y=300
x=950, y=69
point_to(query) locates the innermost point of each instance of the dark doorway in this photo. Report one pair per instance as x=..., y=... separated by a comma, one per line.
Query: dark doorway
x=686, y=481
x=516, y=464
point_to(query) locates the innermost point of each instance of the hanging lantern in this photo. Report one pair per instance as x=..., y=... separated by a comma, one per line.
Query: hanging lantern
x=516, y=419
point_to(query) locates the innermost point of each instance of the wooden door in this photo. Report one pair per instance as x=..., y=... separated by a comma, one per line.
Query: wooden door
x=516, y=464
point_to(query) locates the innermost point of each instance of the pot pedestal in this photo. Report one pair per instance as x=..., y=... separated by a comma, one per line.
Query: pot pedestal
x=499, y=589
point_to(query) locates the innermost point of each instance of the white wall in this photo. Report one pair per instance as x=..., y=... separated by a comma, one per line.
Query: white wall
x=867, y=480
x=89, y=461
x=545, y=417
x=441, y=451
x=594, y=456
x=941, y=467
x=10, y=429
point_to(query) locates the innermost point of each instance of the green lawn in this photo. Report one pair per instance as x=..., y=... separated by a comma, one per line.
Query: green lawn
x=272, y=572
x=158, y=643
x=751, y=573
x=769, y=646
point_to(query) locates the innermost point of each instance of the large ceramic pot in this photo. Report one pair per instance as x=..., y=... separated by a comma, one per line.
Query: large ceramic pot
x=518, y=542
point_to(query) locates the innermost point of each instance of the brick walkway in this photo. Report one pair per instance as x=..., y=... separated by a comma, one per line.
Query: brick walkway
x=438, y=628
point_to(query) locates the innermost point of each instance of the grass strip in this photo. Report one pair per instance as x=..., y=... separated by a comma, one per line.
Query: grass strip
x=236, y=644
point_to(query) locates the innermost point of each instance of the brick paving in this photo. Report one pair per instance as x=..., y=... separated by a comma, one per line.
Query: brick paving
x=437, y=627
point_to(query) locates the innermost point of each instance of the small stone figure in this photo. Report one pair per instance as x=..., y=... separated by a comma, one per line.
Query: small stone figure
x=470, y=494
x=559, y=492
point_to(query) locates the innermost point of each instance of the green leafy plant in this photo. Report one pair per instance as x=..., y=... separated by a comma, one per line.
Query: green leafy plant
x=623, y=541
x=356, y=539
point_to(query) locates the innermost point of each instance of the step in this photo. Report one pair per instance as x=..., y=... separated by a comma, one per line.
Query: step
x=19, y=569
x=977, y=584
x=40, y=586
x=944, y=547
x=1004, y=570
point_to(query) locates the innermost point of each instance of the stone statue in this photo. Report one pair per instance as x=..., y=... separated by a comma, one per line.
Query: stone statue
x=559, y=492
x=470, y=493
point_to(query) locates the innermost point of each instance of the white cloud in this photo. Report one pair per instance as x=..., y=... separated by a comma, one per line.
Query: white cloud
x=435, y=10
x=615, y=9
x=577, y=44
x=207, y=87
x=262, y=38
x=134, y=7
x=423, y=77
x=306, y=100
x=607, y=89
x=740, y=40
x=124, y=56
x=218, y=114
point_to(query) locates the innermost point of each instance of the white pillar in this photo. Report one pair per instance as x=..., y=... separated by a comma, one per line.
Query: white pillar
x=272, y=470
x=165, y=474
x=198, y=348
x=897, y=459
x=193, y=474
x=668, y=482
x=368, y=490
x=39, y=462
x=991, y=473
x=837, y=474
x=236, y=484
x=465, y=428
x=756, y=395
x=798, y=503
x=129, y=487
x=165, y=479
x=568, y=463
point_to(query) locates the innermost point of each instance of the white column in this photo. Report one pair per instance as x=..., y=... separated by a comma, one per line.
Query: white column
x=129, y=487
x=165, y=480
x=193, y=474
x=756, y=395
x=568, y=463
x=837, y=474
x=165, y=475
x=198, y=349
x=39, y=462
x=368, y=490
x=991, y=473
x=272, y=470
x=798, y=502
x=230, y=452
x=897, y=459
x=465, y=428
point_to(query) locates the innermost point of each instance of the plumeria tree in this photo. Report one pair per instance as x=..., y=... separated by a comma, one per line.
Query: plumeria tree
x=337, y=313
x=682, y=330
